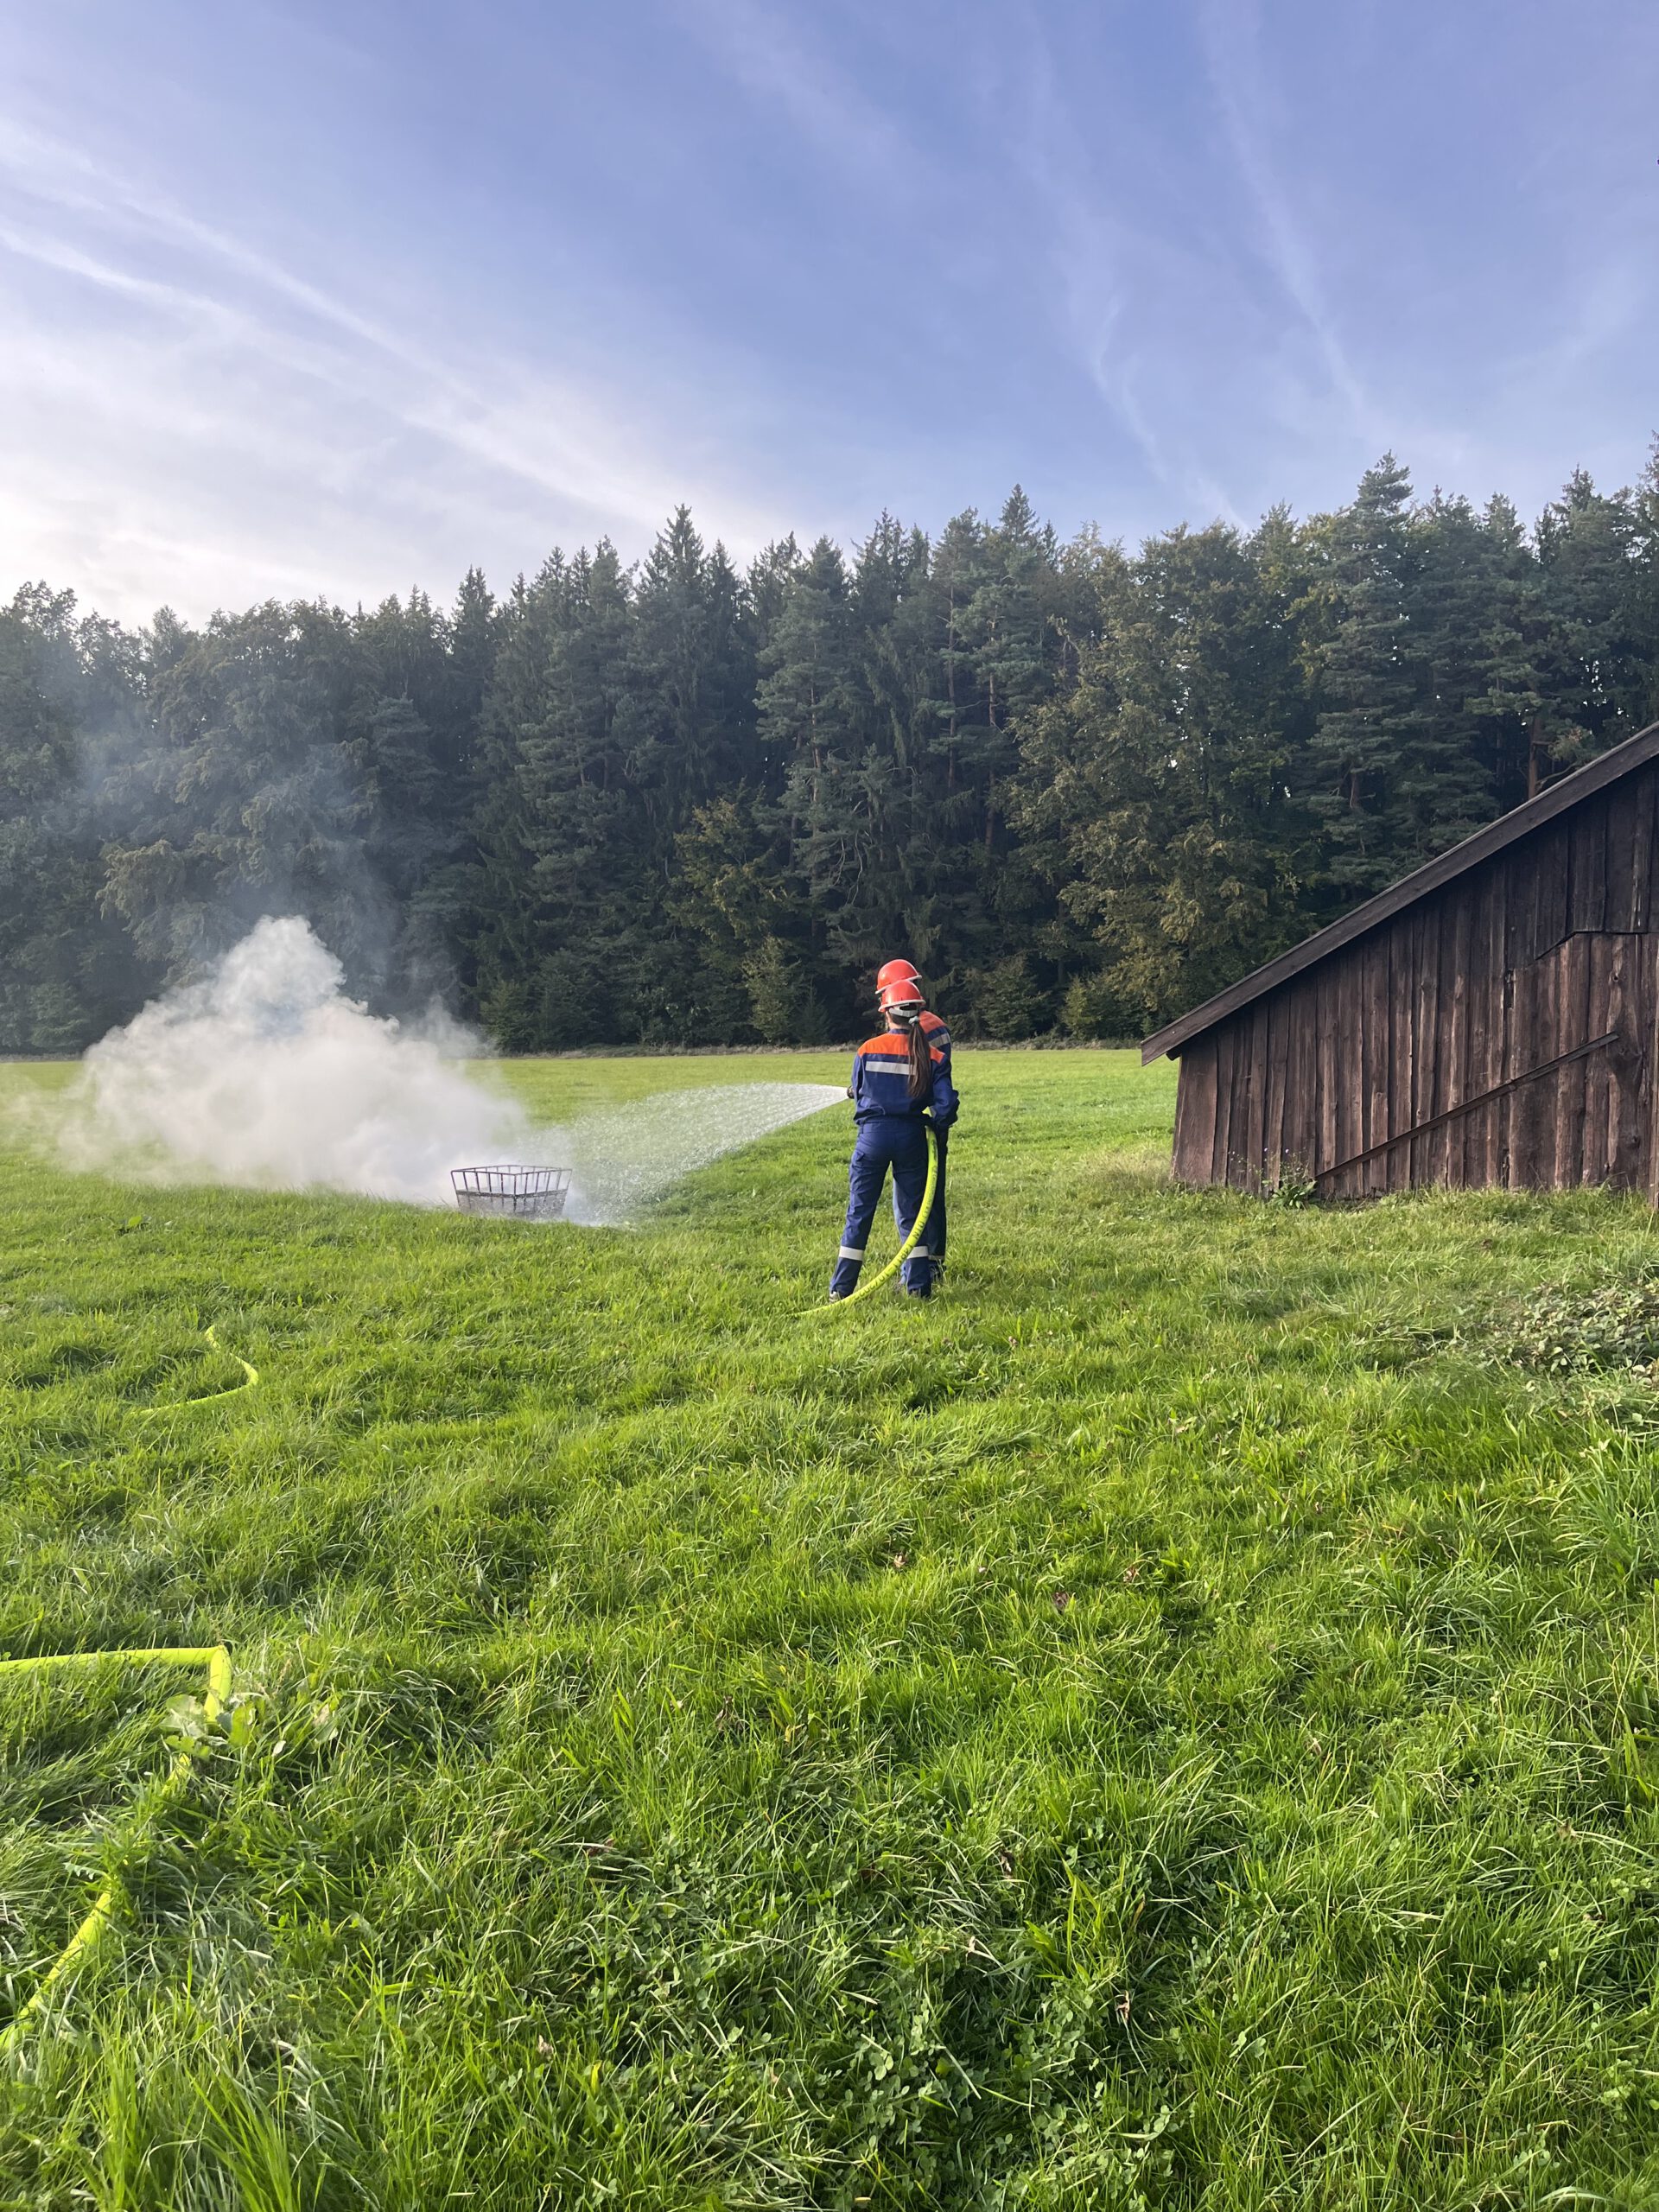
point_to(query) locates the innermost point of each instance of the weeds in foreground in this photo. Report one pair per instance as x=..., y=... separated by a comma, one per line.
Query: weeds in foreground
x=1577, y=1329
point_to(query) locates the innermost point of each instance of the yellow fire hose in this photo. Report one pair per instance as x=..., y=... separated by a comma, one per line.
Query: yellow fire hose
x=250, y=1376
x=216, y=1660
x=874, y=1282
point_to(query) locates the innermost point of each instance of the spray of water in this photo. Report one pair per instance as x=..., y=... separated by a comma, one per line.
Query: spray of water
x=266, y=1074
x=624, y=1159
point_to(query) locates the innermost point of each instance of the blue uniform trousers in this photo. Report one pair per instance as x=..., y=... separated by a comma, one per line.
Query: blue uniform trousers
x=900, y=1144
x=934, y=1238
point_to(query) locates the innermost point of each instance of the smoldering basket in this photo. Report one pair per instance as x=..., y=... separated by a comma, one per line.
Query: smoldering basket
x=512, y=1193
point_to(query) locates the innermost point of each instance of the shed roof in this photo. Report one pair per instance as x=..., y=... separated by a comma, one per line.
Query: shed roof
x=1582, y=783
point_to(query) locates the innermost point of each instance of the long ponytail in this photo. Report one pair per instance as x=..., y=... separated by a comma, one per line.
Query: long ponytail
x=921, y=1059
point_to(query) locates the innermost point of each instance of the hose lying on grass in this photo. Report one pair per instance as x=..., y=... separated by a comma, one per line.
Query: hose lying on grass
x=214, y=1657
x=249, y=1374
x=216, y=1660
x=874, y=1282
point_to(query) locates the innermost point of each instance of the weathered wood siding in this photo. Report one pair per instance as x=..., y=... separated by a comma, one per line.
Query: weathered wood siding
x=1355, y=1071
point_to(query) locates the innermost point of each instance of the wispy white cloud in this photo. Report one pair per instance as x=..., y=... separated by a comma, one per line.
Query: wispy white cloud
x=1231, y=39
x=771, y=54
x=1121, y=283
x=1264, y=308
x=791, y=264
x=158, y=365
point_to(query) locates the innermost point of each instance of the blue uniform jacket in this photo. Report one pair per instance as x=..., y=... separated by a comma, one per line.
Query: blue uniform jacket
x=880, y=1084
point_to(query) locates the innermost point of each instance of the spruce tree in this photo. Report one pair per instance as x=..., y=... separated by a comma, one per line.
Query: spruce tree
x=1156, y=790
x=1368, y=768
x=564, y=881
x=1513, y=648
x=243, y=801
x=1599, y=676
x=680, y=804
x=67, y=970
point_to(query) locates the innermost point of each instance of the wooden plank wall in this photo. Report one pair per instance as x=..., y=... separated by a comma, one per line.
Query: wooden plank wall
x=1546, y=946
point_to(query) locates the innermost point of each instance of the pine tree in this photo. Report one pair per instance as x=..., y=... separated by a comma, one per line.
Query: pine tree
x=694, y=676
x=1459, y=612
x=243, y=803
x=784, y=1005
x=47, y=886
x=809, y=704
x=1156, y=789
x=1513, y=648
x=564, y=873
x=727, y=897
x=1599, y=678
x=679, y=804
x=1369, y=762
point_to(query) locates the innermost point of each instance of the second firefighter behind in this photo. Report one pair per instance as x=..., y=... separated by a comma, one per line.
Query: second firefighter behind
x=899, y=1081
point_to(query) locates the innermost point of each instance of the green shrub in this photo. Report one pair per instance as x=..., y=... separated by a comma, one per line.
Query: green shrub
x=1567, y=1330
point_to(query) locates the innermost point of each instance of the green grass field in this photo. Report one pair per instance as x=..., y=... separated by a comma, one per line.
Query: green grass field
x=1172, y=1723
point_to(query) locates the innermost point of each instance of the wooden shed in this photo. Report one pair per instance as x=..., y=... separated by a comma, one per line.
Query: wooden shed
x=1490, y=1020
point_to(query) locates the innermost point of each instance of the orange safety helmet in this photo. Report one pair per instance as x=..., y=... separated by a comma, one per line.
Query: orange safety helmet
x=900, y=990
x=896, y=971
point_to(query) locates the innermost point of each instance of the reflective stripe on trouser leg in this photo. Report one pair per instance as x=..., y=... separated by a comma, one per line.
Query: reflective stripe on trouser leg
x=909, y=1185
x=865, y=1176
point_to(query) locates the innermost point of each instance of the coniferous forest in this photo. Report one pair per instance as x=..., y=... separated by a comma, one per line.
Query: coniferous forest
x=683, y=803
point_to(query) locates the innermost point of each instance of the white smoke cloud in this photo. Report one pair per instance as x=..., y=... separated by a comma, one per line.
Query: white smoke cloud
x=266, y=1074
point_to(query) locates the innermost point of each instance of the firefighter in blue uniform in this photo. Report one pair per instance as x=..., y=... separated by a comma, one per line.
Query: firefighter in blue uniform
x=937, y=1035
x=898, y=1077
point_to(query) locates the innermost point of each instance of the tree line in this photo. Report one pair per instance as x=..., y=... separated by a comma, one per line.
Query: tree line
x=679, y=803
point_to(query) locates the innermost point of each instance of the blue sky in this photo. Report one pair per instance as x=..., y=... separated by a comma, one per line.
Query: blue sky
x=305, y=298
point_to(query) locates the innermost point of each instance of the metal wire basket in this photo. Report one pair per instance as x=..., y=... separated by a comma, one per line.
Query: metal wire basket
x=519, y=1193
